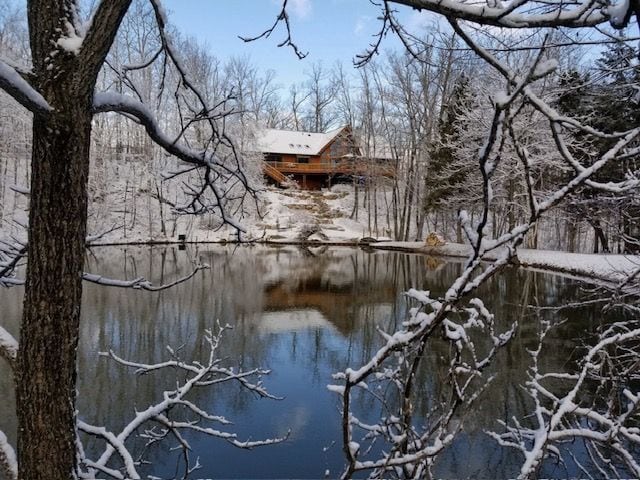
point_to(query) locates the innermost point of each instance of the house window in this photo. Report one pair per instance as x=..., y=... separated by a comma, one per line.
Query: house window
x=273, y=158
x=303, y=159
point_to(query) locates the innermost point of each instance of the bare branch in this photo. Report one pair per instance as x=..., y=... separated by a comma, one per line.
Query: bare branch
x=283, y=16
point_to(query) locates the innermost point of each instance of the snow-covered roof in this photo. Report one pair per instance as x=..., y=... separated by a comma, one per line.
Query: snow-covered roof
x=294, y=143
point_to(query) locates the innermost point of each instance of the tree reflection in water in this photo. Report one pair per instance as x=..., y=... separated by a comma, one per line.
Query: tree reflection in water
x=304, y=314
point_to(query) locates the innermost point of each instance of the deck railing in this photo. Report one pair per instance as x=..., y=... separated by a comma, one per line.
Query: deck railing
x=331, y=168
x=274, y=173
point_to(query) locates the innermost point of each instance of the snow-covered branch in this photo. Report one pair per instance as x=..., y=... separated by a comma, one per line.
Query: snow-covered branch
x=216, y=171
x=174, y=403
x=12, y=252
x=8, y=347
x=120, y=103
x=15, y=85
x=10, y=255
x=409, y=450
x=140, y=283
x=608, y=423
x=8, y=459
x=529, y=13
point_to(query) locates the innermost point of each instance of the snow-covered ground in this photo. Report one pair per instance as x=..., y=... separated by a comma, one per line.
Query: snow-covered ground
x=612, y=268
x=325, y=217
x=281, y=216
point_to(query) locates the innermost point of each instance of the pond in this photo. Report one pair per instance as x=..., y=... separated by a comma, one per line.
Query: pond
x=304, y=314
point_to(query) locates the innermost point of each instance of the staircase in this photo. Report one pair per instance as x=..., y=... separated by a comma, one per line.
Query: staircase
x=274, y=174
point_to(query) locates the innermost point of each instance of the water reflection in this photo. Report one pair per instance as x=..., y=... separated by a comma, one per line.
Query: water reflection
x=304, y=314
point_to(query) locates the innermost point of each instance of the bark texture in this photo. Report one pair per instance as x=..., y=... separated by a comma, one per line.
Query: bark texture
x=46, y=373
x=50, y=324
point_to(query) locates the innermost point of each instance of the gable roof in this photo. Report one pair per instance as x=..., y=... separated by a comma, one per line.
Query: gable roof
x=295, y=143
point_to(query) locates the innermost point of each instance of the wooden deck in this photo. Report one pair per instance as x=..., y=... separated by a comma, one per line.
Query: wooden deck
x=332, y=168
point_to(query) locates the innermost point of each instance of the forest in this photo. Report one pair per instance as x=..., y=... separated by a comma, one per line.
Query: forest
x=511, y=124
x=429, y=112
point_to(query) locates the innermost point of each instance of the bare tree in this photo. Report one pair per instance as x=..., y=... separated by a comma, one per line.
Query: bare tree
x=320, y=91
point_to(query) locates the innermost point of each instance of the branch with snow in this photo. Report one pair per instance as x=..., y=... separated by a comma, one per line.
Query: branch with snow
x=407, y=451
x=390, y=379
x=140, y=283
x=219, y=174
x=21, y=90
x=529, y=13
x=607, y=425
x=8, y=347
x=174, y=403
x=8, y=458
x=12, y=251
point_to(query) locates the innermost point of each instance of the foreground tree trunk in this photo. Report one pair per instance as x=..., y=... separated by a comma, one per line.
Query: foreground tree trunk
x=65, y=68
x=50, y=323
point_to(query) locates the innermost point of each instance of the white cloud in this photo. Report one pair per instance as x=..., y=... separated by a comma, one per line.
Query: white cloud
x=361, y=24
x=419, y=20
x=300, y=8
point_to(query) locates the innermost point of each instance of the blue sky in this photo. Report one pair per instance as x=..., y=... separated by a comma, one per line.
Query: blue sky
x=330, y=30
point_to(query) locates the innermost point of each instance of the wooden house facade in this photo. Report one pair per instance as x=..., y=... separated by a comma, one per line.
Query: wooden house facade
x=317, y=160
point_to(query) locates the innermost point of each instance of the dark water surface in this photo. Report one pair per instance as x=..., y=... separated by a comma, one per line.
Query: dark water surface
x=304, y=315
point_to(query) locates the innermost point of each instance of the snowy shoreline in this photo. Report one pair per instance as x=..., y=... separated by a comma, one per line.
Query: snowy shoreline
x=610, y=268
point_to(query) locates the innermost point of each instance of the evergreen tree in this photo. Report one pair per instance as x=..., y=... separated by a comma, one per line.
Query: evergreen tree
x=616, y=109
x=447, y=172
x=610, y=103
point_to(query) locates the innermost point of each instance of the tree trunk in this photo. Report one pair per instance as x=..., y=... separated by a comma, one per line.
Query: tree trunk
x=46, y=366
x=599, y=236
x=50, y=323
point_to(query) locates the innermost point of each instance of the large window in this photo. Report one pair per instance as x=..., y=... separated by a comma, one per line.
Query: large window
x=303, y=159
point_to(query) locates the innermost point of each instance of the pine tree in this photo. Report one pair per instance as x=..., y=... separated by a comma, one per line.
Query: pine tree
x=616, y=109
x=610, y=102
x=447, y=172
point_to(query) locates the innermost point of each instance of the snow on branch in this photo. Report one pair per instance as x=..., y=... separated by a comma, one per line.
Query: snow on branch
x=528, y=13
x=174, y=402
x=139, y=283
x=409, y=451
x=607, y=425
x=11, y=252
x=8, y=347
x=216, y=181
x=215, y=169
x=120, y=103
x=15, y=85
x=8, y=459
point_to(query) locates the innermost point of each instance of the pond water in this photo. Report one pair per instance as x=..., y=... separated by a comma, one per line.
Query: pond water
x=304, y=314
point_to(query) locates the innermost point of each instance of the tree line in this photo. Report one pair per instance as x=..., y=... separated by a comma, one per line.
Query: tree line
x=423, y=112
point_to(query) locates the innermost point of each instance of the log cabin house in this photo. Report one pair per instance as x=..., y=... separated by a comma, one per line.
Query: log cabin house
x=319, y=160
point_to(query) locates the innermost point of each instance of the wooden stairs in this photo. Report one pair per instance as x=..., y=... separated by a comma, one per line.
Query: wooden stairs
x=276, y=175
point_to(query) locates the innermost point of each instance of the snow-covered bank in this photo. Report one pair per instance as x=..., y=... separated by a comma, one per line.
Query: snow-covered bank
x=611, y=268
x=319, y=218
x=277, y=216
